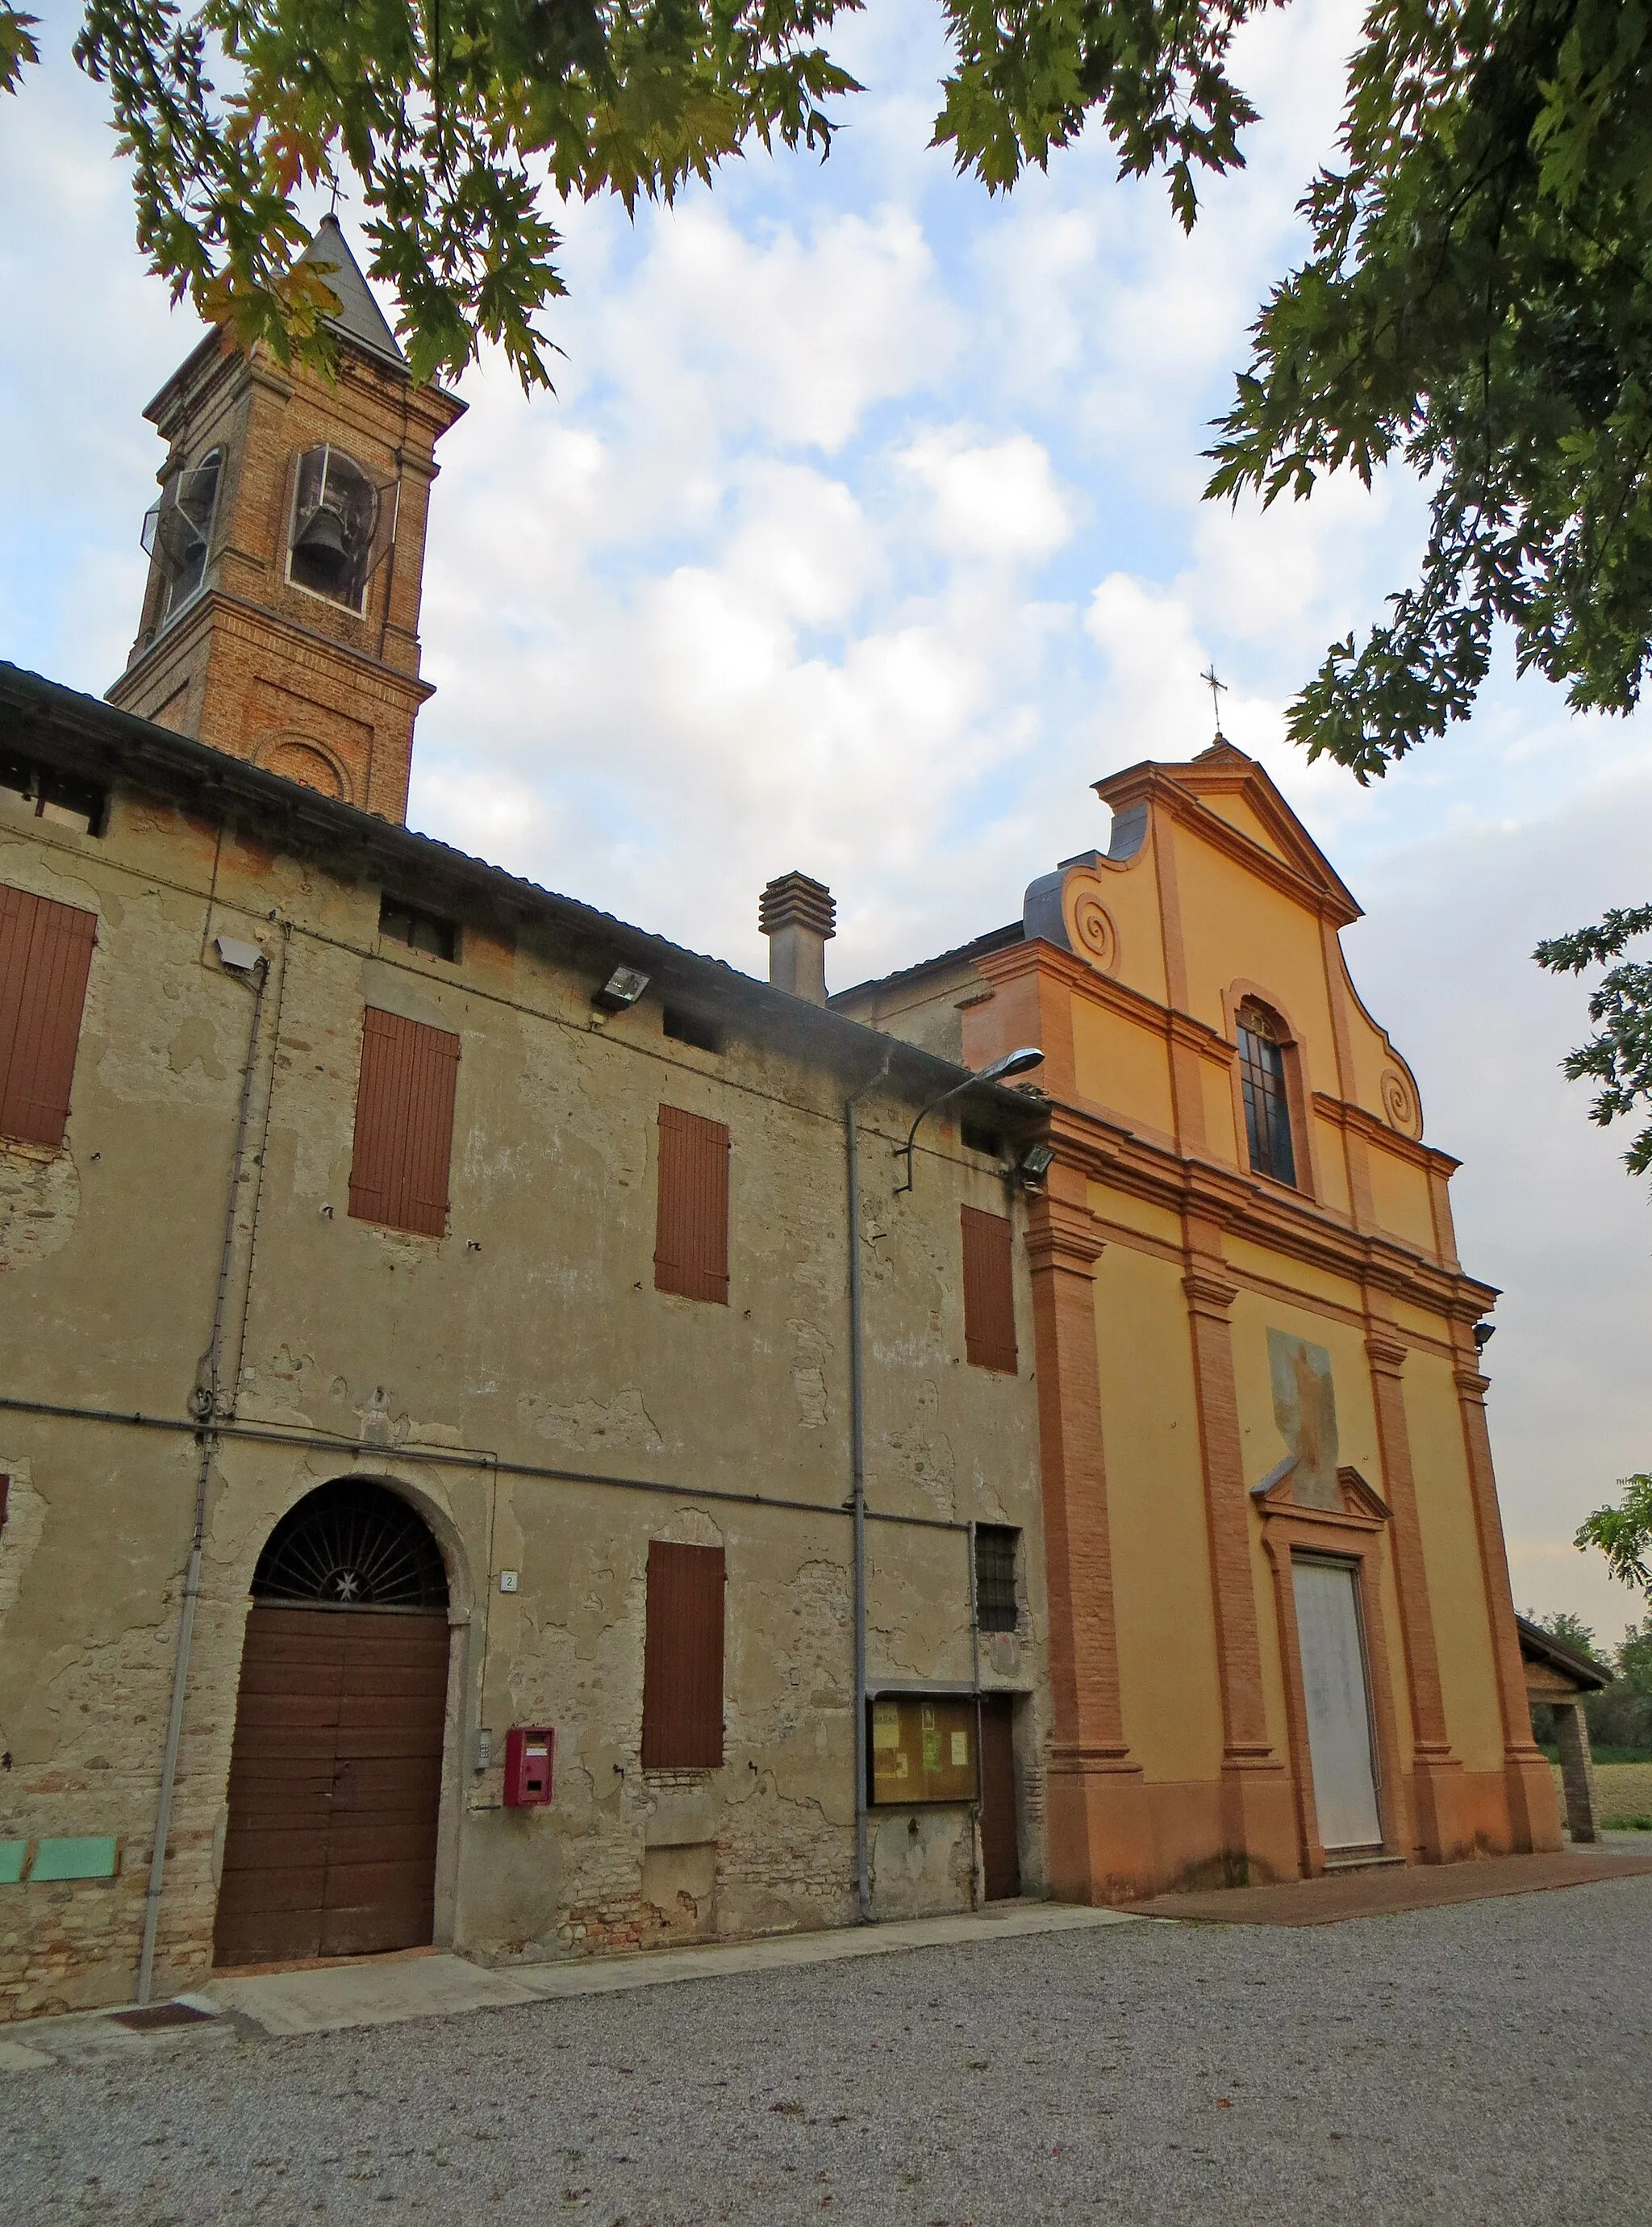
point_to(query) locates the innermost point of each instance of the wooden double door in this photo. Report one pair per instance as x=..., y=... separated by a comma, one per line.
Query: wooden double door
x=334, y=1783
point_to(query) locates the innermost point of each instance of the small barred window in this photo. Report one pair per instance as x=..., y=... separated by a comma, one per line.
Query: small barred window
x=995, y=1558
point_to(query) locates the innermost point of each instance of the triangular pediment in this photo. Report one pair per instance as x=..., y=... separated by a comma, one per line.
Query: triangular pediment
x=1227, y=786
x=1274, y=1495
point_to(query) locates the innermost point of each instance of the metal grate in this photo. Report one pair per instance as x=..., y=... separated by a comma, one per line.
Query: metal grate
x=160, y=2014
x=354, y=1545
x=996, y=1608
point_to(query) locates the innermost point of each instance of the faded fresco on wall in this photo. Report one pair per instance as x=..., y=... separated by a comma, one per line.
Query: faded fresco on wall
x=1305, y=1408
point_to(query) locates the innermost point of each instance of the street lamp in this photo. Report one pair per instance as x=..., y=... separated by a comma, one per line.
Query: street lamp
x=1013, y=1062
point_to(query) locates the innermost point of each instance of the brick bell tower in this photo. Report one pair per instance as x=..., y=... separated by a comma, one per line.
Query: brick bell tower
x=286, y=552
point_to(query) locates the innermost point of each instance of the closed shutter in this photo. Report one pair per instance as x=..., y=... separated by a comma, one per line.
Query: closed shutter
x=45, y=957
x=691, y=1249
x=682, y=1659
x=989, y=1291
x=404, y=1124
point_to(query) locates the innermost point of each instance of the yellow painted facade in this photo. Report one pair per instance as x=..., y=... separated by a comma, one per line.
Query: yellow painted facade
x=1256, y=1357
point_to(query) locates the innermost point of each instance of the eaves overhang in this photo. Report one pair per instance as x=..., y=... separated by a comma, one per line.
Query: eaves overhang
x=82, y=734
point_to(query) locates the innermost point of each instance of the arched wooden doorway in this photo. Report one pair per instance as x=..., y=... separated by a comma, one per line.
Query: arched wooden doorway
x=336, y=1778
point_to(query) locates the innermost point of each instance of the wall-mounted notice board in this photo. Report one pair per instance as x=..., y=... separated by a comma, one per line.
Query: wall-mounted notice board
x=923, y=1749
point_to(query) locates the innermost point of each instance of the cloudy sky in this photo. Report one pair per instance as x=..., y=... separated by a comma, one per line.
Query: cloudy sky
x=863, y=533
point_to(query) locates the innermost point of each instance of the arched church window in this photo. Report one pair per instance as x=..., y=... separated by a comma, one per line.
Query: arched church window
x=178, y=530
x=341, y=526
x=1267, y=1103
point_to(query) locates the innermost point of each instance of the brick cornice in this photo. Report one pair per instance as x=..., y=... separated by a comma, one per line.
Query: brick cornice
x=1283, y=1222
x=1377, y=1131
x=256, y=622
x=1209, y=1293
x=1386, y=1355
x=1061, y=1234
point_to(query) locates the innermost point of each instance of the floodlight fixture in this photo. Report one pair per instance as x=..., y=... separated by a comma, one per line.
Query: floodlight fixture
x=623, y=989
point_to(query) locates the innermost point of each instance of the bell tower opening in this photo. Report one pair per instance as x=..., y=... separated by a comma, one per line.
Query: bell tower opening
x=280, y=619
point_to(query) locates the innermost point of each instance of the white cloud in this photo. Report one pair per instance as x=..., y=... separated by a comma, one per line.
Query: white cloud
x=862, y=534
x=998, y=501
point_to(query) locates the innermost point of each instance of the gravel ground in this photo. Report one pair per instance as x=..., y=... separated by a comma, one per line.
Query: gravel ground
x=1483, y=2063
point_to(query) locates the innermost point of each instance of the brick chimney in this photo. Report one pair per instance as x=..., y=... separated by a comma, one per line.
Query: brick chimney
x=798, y=916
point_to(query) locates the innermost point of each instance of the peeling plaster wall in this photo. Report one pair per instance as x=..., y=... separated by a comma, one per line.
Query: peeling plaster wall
x=531, y=1332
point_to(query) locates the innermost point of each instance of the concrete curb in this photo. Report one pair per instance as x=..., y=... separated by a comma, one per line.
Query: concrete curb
x=384, y=1992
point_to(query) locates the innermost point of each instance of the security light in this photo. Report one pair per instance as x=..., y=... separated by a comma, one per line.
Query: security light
x=1034, y=1162
x=1482, y=1335
x=622, y=988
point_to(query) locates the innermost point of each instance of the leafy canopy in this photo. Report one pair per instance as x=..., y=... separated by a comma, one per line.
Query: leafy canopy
x=1478, y=302
x=462, y=121
x=1477, y=299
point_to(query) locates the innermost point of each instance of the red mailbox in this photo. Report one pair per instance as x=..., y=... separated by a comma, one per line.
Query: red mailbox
x=530, y=1751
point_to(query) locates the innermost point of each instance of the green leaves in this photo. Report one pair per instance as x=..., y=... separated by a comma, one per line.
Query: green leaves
x=1619, y=1055
x=1478, y=302
x=1624, y=1534
x=17, y=47
x=458, y=118
x=1029, y=72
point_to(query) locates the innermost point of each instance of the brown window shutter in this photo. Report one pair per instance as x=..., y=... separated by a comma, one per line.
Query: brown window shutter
x=682, y=1659
x=404, y=1124
x=690, y=1247
x=45, y=957
x=989, y=1291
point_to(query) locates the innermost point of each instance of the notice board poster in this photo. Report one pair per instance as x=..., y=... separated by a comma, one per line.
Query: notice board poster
x=923, y=1750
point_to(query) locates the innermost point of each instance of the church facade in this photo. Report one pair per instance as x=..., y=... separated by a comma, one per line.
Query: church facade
x=519, y=1436
x=1282, y=1635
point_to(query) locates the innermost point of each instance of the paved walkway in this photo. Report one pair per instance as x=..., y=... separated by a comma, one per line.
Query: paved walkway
x=1383, y=1889
x=372, y=1991
x=382, y=1991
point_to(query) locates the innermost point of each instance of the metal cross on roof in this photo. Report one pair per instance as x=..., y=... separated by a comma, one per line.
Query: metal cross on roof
x=1218, y=690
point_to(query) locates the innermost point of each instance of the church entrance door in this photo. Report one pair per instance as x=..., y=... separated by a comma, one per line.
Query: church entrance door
x=1336, y=1691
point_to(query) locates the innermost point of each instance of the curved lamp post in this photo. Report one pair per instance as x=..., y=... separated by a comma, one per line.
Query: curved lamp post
x=1013, y=1062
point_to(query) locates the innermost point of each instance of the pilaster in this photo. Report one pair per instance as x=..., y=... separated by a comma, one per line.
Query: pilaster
x=1100, y=1844
x=1259, y=1822
x=1438, y=1773
x=1533, y=1814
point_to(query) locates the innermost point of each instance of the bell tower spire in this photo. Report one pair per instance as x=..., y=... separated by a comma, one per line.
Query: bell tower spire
x=280, y=619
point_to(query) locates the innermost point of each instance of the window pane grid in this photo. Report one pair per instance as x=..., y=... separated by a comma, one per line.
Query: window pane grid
x=1267, y=1111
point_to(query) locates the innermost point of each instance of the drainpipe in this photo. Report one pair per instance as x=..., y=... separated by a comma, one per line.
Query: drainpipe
x=977, y=1853
x=249, y=963
x=858, y=1502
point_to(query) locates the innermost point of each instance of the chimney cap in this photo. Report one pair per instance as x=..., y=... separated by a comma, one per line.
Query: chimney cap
x=796, y=901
